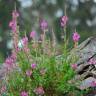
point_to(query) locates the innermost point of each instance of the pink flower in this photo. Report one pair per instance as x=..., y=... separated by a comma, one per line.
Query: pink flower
x=32, y=34
x=39, y=91
x=93, y=83
x=63, y=21
x=76, y=37
x=43, y=25
x=25, y=40
x=15, y=14
x=23, y=93
x=74, y=66
x=9, y=60
x=92, y=61
x=29, y=73
x=12, y=25
x=9, y=63
x=33, y=66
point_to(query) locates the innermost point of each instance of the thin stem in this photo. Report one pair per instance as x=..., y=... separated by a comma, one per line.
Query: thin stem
x=54, y=42
x=65, y=37
x=43, y=45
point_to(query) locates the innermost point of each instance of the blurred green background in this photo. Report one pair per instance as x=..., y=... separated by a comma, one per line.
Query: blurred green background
x=81, y=13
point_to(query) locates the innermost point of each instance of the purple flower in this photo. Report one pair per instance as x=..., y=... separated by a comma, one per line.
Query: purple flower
x=32, y=34
x=39, y=91
x=43, y=25
x=23, y=93
x=29, y=73
x=63, y=21
x=25, y=40
x=33, y=66
x=74, y=66
x=76, y=37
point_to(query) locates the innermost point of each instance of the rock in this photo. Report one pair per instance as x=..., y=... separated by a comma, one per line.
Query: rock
x=86, y=83
x=85, y=71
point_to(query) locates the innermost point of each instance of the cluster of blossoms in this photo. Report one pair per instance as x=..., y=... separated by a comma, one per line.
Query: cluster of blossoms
x=10, y=62
x=13, y=22
x=24, y=93
x=14, y=28
x=92, y=61
x=74, y=66
x=76, y=37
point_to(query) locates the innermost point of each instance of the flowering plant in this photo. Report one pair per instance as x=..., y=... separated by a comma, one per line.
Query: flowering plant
x=34, y=67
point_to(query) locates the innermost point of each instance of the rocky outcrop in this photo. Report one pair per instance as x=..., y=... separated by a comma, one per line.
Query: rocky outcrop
x=86, y=70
